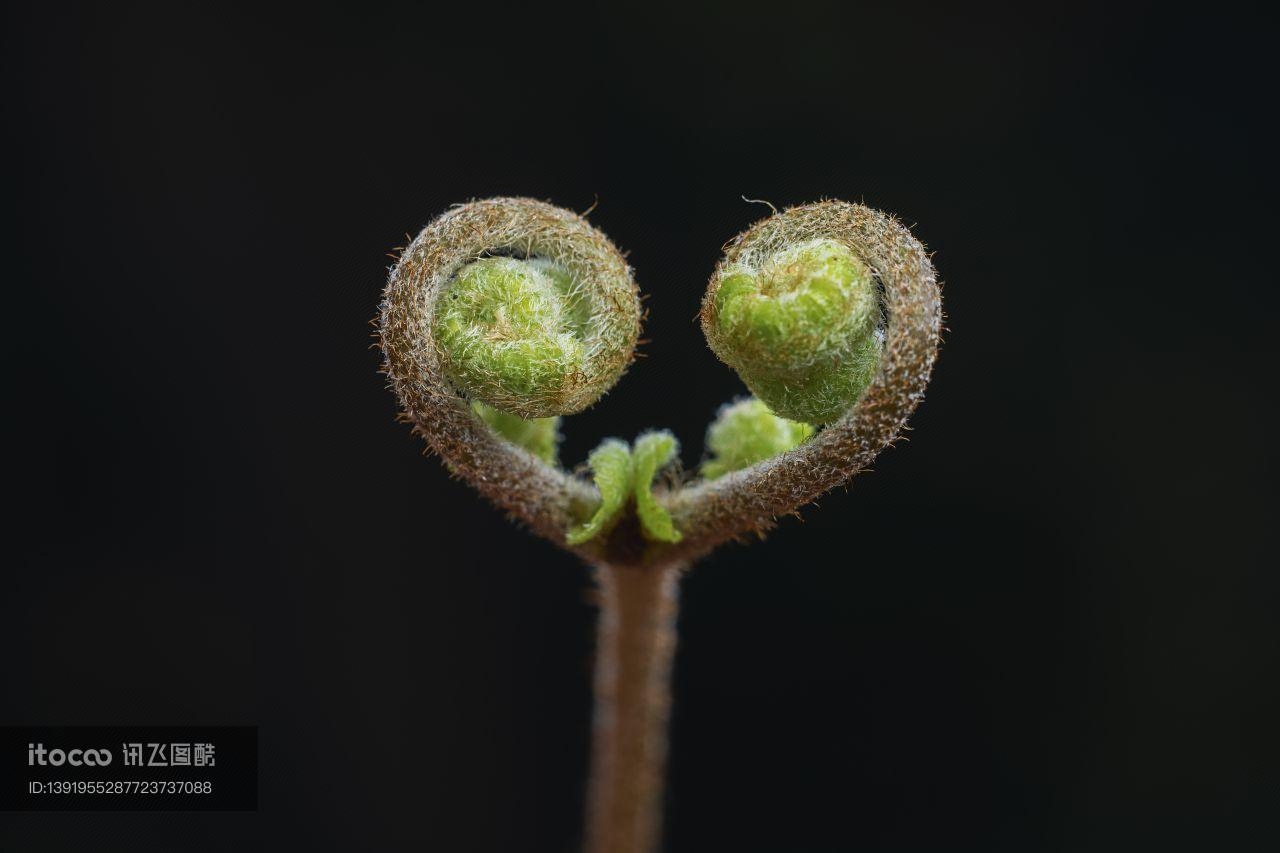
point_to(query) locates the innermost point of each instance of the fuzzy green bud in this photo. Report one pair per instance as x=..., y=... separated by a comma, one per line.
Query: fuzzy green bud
x=746, y=432
x=525, y=336
x=801, y=326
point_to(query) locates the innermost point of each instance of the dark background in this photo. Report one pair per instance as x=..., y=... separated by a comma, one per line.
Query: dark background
x=1046, y=623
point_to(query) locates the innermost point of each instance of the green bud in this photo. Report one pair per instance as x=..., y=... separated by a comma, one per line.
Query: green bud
x=801, y=328
x=520, y=336
x=746, y=432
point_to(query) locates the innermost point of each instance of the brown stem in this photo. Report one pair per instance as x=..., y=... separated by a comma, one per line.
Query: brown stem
x=636, y=644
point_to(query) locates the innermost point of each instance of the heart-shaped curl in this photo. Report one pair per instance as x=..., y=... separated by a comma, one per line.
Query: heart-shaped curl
x=507, y=313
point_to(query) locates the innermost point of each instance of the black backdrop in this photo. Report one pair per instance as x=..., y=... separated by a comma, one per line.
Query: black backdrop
x=1042, y=624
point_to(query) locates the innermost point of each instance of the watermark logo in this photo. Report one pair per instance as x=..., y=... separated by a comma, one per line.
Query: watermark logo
x=37, y=755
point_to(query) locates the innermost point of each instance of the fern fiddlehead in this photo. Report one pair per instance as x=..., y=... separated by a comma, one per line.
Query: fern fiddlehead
x=506, y=315
x=500, y=317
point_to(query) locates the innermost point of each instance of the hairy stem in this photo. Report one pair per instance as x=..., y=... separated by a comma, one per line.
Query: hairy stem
x=635, y=647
